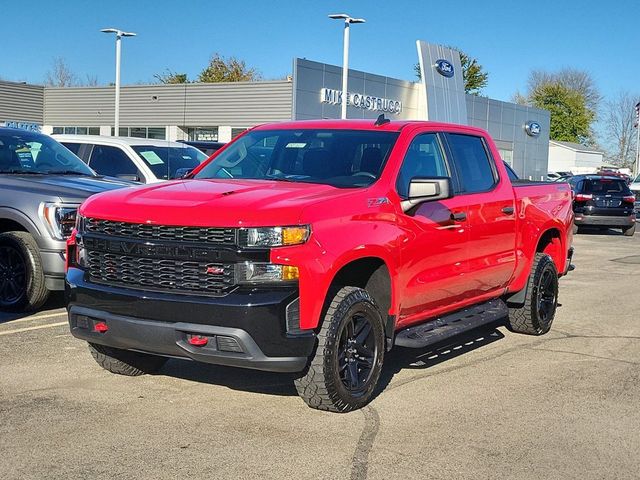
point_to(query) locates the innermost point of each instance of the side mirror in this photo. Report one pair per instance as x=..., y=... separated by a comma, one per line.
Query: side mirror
x=129, y=177
x=183, y=172
x=427, y=189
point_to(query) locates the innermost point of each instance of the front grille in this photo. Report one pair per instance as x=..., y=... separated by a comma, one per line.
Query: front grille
x=218, y=236
x=176, y=276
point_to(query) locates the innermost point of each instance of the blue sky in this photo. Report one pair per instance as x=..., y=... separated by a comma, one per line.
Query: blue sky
x=509, y=38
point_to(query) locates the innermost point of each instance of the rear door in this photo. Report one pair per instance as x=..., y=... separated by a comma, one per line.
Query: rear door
x=490, y=214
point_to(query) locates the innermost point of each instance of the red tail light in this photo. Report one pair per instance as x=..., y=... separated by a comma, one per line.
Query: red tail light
x=629, y=198
x=583, y=197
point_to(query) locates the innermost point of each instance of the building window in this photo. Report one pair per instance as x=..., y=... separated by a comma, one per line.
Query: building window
x=76, y=130
x=203, y=134
x=507, y=156
x=237, y=131
x=158, y=133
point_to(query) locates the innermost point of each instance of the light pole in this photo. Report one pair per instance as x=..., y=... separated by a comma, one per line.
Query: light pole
x=345, y=59
x=119, y=35
x=637, y=125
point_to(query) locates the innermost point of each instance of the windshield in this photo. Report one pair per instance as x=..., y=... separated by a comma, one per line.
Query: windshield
x=342, y=158
x=164, y=162
x=28, y=152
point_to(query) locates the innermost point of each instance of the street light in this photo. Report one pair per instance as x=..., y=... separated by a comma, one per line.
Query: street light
x=345, y=59
x=119, y=35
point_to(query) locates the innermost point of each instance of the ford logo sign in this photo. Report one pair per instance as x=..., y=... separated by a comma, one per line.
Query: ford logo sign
x=444, y=68
x=532, y=128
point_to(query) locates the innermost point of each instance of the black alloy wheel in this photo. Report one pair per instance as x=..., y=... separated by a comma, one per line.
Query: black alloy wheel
x=547, y=296
x=357, y=353
x=13, y=276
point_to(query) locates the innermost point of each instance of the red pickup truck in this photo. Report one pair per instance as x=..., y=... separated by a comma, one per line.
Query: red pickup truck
x=316, y=247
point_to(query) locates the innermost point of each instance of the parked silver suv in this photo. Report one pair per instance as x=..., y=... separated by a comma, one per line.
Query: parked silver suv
x=41, y=186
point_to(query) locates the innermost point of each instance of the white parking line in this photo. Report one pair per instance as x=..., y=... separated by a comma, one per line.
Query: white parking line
x=32, y=318
x=18, y=330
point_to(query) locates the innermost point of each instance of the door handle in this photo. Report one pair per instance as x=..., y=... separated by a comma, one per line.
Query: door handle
x=459, y=216
x=508, y=210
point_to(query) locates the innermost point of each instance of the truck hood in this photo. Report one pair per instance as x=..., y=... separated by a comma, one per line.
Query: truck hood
x=221, y=203
x=66, y=187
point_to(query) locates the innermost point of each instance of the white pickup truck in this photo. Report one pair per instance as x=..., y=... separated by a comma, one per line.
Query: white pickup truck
x=136, y=159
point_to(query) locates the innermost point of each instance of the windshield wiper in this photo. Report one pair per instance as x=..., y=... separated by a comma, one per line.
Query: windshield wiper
x=67, y=172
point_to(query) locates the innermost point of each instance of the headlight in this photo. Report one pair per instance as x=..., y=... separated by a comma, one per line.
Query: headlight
x=59, y=219
x=273, y=236
x=249, y=272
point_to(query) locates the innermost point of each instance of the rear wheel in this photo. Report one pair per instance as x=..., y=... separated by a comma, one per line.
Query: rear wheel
x=345, y=369
x=22, y=285
x=125, y=362
x=628, y=232
x=539, y=309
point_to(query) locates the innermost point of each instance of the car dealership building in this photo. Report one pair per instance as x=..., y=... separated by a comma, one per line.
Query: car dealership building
x=219, y=111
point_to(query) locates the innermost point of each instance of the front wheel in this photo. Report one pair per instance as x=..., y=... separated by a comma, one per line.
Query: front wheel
x=539, y=309
x=125, y=362
x=22, y=284
x=343, y=373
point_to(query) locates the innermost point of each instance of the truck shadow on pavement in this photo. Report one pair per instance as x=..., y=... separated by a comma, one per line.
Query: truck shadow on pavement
x=55, y=302
x=281, y=384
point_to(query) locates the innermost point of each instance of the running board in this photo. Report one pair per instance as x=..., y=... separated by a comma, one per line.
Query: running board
x=441, y=328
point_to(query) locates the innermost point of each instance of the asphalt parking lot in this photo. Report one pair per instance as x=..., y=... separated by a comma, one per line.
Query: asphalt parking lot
x=490, y=405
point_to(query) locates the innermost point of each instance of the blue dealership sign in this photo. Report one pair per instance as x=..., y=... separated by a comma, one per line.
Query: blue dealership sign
x=444, y=68
x=32, y=127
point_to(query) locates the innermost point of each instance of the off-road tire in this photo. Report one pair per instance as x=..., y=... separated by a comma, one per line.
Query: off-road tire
x=321, y=386
x=628, y=232
x=34, y=293
x=527, y=319
x=125, y=362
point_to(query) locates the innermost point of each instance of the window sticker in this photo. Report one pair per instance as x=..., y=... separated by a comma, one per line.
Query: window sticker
x=152, y=157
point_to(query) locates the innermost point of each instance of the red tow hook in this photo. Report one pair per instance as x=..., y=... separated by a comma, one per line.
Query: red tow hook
x=100, y=327
x=197, y=340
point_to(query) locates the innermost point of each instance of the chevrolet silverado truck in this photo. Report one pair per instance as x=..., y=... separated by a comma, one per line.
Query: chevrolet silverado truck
x=42, y=184
x=316, y=247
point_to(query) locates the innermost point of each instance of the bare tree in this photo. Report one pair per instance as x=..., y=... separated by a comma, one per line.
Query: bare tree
x=618, y=128
x=60, y=74
x=91, y=81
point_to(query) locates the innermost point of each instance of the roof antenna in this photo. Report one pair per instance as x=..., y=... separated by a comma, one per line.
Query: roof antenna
x=381, y=120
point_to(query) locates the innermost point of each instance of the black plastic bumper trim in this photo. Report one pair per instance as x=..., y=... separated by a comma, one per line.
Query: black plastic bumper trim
x=170, y=339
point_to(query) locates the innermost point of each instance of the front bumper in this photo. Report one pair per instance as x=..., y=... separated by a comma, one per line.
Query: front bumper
x=53, y=266
x=605, y=221
x=247, y=328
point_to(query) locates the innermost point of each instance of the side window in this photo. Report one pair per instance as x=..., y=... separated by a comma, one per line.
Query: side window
x=111, y=161
x=472, y=162
x=424, y=158
x=74, y=147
